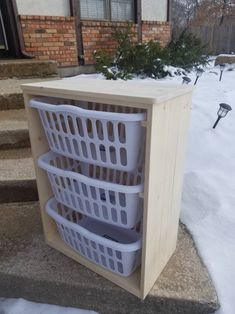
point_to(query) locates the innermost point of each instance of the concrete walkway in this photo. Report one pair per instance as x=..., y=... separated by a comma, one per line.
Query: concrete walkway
x=32, y=270
x=11, y=96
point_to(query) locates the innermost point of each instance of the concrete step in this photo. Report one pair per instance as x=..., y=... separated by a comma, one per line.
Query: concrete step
x=32, y=270
x=25, y=68
x=17, y=177
x=11, y=96
x=14, y=131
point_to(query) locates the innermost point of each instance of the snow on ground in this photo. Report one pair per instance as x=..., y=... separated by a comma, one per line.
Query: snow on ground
x=208, y=202
x=21, y=306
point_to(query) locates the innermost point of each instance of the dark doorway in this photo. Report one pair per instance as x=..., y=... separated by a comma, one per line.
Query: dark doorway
x=3, y=39
x=11, y=39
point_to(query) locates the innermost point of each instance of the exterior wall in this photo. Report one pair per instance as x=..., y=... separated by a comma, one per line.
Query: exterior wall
x=50, y=38
x=98, y=36
x=154, y=10
x=53, y=37
x=50, y=8
x=157, y=31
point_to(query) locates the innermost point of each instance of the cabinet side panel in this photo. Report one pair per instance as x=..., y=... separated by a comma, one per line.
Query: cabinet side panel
x=179, y=168
x=165, y=150
x=39, y=146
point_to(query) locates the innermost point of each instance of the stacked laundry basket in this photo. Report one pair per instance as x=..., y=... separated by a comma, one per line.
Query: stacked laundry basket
x=96, y=168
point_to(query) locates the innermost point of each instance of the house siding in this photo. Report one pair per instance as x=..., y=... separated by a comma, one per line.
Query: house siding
x=48, y=8
x=154, y=10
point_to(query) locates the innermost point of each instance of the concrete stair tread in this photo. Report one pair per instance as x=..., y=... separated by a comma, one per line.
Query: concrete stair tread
x=13, y=120
x=16, y=165
x=32, y=270
x=11, y=96
x=17, y=176
x=27, y=68
x=14, y=131
x=7, y=61
x=12, y=85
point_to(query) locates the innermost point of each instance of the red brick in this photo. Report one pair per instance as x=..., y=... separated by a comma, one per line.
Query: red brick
x=57, y=43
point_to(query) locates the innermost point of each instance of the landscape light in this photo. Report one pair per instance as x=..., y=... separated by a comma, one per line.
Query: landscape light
x=198, y=73
x=222, y=67
x=186, y=80
x=222, y=112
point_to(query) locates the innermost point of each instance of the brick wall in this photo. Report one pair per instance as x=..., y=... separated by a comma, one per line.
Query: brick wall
x=54, y=38
x=98, y=36
x=159, y=31
x=50, y=38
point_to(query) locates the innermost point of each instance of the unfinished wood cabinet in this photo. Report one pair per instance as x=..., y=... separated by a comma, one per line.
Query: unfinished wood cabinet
x=167, y=109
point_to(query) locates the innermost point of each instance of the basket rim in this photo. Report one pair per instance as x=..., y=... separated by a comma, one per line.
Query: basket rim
x=52, y=212
x=101, y=115
x=127, y=189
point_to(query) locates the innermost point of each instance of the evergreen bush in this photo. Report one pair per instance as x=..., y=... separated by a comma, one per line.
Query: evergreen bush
x=186, y=52
x=149, y=59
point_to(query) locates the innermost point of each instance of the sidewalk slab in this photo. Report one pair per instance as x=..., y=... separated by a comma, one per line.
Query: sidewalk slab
x=30, y=269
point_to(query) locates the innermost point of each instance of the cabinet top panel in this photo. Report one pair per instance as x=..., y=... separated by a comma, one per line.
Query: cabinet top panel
x=138, y=92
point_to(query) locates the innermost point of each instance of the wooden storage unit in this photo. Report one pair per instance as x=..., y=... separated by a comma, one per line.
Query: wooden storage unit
x=167, y=108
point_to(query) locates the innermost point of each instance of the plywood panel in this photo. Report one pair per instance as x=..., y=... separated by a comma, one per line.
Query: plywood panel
x=130, y=283
x=164, y=159
x=121, y=92
x=183, y=120
x=39, y=146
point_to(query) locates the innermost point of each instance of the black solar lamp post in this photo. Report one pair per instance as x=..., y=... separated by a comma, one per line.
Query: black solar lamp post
x=222, y=67
x=198, y=74
x=222, y=112
x=186, y=80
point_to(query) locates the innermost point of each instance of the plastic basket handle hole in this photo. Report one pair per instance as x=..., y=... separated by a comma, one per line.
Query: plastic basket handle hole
x=102, y=148
x=111, y=198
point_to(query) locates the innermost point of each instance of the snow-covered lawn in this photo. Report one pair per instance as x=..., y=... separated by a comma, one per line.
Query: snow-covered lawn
x=21, y=306
x=208, y=203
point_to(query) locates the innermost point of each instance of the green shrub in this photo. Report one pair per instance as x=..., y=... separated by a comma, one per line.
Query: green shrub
x=105, y=66
x=118, y=67
x=149, y=59
x=144, y=60
x=186, y=52
x=125, y=48
x=103, y=60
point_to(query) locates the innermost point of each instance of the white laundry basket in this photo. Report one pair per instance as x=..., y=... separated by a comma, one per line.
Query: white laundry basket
x=93, y=190
x=107, y=139
x=113, y=248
